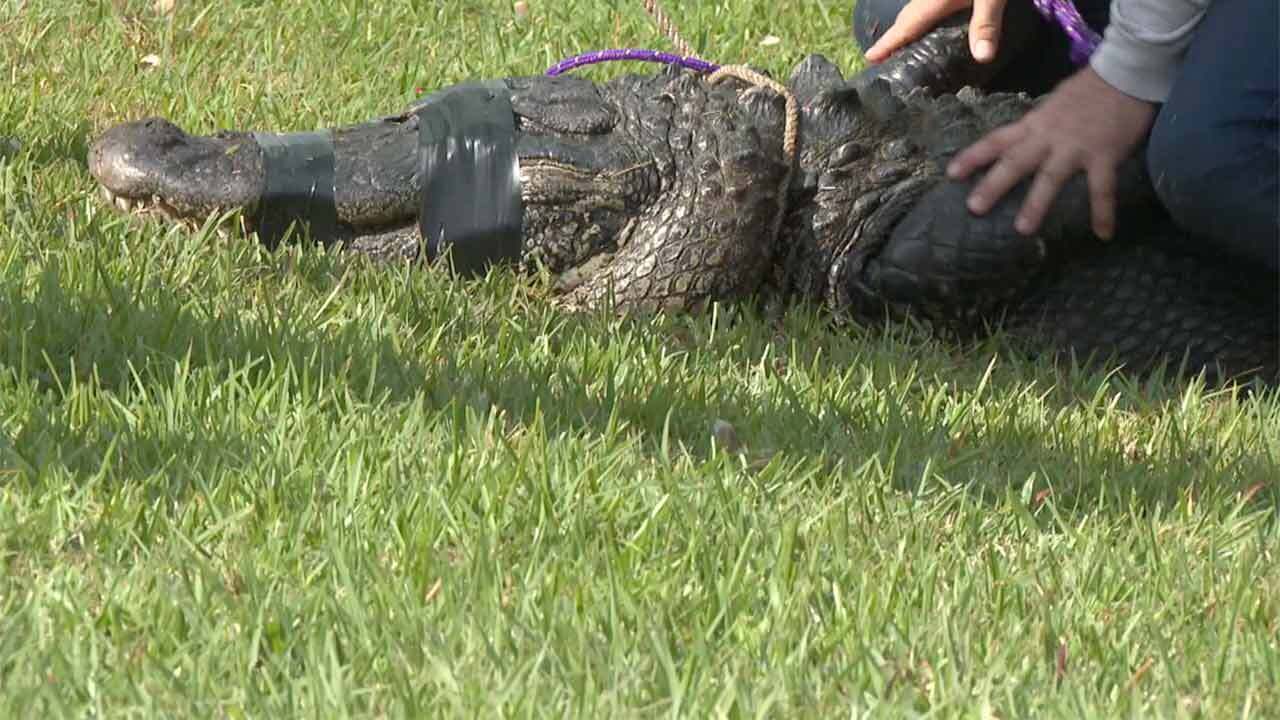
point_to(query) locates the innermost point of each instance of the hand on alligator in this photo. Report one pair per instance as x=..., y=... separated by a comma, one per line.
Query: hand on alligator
x=1085, y=124
x=921, y=16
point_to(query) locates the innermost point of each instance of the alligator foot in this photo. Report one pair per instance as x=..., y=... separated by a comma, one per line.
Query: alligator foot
x=941, y=63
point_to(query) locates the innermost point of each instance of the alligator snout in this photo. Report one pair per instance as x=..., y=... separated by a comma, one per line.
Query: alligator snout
x=153, y=161
x=128, y=159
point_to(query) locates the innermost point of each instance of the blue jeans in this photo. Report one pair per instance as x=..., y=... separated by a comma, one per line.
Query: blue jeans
x=1213, y=152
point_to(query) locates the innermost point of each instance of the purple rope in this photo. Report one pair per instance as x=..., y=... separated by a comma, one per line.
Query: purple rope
x=1083, y=38
x=636, y=54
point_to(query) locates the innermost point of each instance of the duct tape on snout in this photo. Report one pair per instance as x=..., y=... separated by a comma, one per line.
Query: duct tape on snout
x=470, y=174
x=299, y=187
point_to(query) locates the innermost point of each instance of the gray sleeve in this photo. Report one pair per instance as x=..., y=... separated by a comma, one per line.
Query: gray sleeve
x=1144, y=44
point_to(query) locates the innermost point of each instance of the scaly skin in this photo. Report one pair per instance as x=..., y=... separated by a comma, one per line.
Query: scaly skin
x=650, y=189
x=663, y=192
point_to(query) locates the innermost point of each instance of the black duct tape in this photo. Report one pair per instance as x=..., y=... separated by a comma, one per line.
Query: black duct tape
x=299, y=186
x=470, y=173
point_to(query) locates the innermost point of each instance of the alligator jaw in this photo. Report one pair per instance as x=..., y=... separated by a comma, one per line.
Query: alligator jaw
x=154, y=205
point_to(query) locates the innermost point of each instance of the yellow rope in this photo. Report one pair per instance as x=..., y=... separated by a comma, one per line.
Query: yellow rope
x=668, y=28
x=791, y=131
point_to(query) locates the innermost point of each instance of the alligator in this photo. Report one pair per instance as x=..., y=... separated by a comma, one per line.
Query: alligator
x=664, y=192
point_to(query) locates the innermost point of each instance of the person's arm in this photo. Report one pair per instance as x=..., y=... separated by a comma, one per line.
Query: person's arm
x=1144, y=44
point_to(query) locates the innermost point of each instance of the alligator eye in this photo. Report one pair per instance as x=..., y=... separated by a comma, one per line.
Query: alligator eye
x=900, y=149
x=848, y=153
x=887, y=174
x=831, y=178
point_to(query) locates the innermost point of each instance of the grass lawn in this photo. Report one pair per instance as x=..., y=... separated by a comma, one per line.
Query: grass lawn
x=236, y=483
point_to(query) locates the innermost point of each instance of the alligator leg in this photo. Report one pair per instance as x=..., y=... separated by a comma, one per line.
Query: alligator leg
x=1134, y=301
x=650, y=192
x=940, y=62
x=712, y=241
x=936, y=64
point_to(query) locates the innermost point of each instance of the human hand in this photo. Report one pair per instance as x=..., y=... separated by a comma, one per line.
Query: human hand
x=920, y=16
x=1084, y=124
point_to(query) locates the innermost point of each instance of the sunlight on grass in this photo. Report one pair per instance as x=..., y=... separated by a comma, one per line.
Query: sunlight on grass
x=242, y=483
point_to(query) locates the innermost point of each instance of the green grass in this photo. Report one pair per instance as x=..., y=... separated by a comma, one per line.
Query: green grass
x=249, y=484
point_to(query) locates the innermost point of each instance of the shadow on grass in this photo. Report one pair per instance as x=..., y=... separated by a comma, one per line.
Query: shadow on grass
x=883, y=415
x=59, y=337
x=888, y=416
x=59, y=340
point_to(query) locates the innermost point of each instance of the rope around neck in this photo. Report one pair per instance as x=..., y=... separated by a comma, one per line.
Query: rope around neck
x=1083, y=40
x=686, y=59
x=791, y=132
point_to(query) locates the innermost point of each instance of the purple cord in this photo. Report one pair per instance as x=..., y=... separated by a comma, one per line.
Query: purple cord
x=1083, y=38
x=636, y=54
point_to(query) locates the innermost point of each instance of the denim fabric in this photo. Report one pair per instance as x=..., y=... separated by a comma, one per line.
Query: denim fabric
x=1213, y=153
